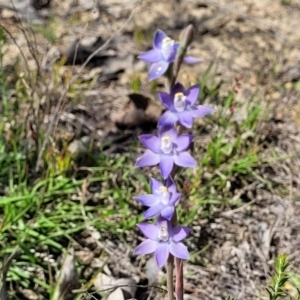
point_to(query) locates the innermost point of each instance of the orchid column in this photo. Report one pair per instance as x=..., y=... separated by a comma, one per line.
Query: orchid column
x=169, y=148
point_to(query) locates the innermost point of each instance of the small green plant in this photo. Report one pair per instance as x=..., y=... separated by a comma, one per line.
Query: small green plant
x=275, y=290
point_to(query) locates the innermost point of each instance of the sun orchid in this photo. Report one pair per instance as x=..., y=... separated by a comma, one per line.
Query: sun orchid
x=163, y=239
x=162, y=200
x=163, y=53
x=181, y=105
x=166, y=149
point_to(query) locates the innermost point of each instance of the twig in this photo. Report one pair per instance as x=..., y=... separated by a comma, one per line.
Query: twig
x=6, y=265
x=233, y=211
x=120, y=286
x=75, y=77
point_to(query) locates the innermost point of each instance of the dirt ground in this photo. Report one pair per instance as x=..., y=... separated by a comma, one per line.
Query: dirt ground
x=255, y=40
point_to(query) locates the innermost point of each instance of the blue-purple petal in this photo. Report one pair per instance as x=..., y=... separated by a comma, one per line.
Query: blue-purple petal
x=158, y=38
x=177, y=88
x=167, y=118
x=149, y=158
x=146, y=247
x=158, y=69
x=172, y=57
x=162, y=222
x=178, y=250
x=155, y=186
x=167, y=212
x=201, y=111
x=166, y=100
x=151, y=142
x=166, y=165
x=179, y=233
x=167, y=130
x=170, y=184
x=174, y=199
x=162, y=254
x=186, y=119
x=184, y=159
x=153, y=211
x=147, y=200
x=150, y=231
x=193, y=94
x=183, y=142
x=191, y=60
x=151, y=56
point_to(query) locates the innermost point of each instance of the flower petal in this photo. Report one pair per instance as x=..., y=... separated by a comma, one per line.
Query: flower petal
x=158, y=69
x=170, y=184
x=166, y=100
x=172, y=56
x=151, y=56
x=166, y=165
x=191, y=60
x=174, y=199
x=186, y=119
x=155, y=186
x=147, y=200
x=178, y=250
x=193, y=93
x=183, y=142
x=153, y=211
x=167, y=212
x=151, y=142
x=184, y=159
x=201, y=111
x=167, y=130
x=172, y=189
x=146, y=247
x=150, y=231
x=158, y=38
x=162, y=254
x=162, y=222
x=179, y=233
x=168, y=118
x=149, y=158
x=177, y=88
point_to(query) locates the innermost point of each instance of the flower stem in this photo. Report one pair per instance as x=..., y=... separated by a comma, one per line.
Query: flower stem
x=170, y=285
x=169, y=78
x=179, y=279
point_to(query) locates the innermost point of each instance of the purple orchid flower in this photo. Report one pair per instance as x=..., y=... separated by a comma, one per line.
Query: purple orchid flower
x=163, y=239
x=166, y=149
x=181, y=106
x=162, y=199
x=163, y=53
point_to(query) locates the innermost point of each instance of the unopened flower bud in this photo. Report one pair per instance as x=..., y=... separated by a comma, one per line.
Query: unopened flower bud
x=186, y=37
